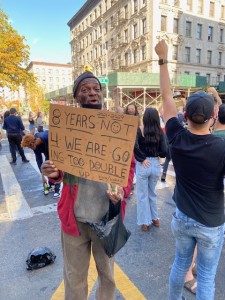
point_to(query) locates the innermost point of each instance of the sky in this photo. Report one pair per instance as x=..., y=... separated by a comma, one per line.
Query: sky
x=44, y=25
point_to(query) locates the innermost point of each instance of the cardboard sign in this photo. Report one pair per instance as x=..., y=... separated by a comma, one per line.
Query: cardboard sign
x=90, y=143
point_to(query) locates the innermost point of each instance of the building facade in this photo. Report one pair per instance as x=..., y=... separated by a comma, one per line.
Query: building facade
x=120, y=35
x=51, y=76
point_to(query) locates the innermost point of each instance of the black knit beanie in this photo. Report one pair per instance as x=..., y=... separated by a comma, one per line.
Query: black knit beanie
x=81, y=78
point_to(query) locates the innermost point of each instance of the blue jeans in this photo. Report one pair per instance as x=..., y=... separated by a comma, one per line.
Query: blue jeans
x=146, y=180
x=209, y=240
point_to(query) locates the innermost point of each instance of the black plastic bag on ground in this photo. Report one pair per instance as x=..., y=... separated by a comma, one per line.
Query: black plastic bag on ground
x=39, y=258
x=111, y=230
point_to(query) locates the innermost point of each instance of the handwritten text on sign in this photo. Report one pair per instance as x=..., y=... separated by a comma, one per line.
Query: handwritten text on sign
x=90, y=143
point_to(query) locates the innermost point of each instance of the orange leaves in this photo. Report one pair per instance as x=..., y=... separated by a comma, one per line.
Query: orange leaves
x=14, y=55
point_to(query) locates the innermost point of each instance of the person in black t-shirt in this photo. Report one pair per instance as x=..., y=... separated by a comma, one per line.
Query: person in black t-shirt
x=199, y=163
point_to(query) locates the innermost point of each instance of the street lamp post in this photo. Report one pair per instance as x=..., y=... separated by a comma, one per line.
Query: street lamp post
x=107, y=83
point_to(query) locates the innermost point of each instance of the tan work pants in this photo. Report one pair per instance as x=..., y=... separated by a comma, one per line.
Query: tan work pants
x=76, y=253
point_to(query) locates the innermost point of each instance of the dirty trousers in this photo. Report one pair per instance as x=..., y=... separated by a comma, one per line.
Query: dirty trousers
x=77, y=253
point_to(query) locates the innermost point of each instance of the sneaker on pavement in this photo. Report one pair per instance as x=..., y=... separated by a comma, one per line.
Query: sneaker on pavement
x=163, y=177
x=25, y=160
x=56, y=195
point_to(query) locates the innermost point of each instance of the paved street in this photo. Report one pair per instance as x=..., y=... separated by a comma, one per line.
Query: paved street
x=29, y=219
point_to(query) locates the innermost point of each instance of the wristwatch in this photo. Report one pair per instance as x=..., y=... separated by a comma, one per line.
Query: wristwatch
x=162, y=61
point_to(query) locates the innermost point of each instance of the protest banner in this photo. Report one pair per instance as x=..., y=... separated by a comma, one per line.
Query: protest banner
x=94, y=144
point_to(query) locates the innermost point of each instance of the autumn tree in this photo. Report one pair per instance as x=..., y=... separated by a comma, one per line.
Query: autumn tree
x=14, y=56
x=35, y=97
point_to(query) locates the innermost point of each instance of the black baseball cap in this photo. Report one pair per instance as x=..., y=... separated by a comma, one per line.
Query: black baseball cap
x=199, y=107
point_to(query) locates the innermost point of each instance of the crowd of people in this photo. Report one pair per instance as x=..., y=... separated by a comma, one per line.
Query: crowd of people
x=192, y=139
x=17, y=134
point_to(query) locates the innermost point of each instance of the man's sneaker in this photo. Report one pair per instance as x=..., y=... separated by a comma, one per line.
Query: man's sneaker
x=25, y=160
x=45, y=192
x=163, y=178
x=56, y=195
x=13, y=162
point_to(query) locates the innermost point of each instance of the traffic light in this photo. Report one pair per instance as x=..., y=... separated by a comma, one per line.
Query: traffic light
x=87, y=68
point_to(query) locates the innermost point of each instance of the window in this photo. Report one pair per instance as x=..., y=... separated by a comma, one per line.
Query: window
x=135, y=31
x=135, y=56
x=96, y=52
x=198, y=56
x=175, y=52
x=100, y=10
x=126, y=12
x=210, y=33
x=111, y=21
x=200, y=7
x=126, y=35
x=220, y=59
x=112, y=42
x=222, y=14
x=208, y=78
x=188, y=29
x=218, y=78
x=197, y=74
x=106, y=7
x=37, y=70
x=143, y=52
x=189, y=5
x=221, y=35
x=175, y=25
x=187, y=54
x=163, y=23
x=209, y=57
x=199, y=32
x=112, y=64
x=118, y=37
x=135, y=6
x=144, y=26
x=211, y=9
x=187, y=73
x=106, y=26
x=126, y=57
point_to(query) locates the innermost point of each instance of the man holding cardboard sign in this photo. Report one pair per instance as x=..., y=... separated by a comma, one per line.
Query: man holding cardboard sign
x=84, y=200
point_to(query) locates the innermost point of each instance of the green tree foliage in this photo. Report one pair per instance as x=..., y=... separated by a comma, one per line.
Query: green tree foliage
x=14, y=56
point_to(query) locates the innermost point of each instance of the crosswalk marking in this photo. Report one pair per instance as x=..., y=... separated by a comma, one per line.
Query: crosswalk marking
x=16, y=203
